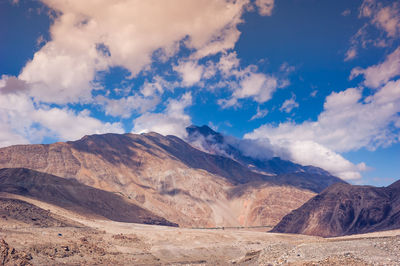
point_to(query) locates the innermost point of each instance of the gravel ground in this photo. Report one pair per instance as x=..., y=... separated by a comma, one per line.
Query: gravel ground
x=104, y=242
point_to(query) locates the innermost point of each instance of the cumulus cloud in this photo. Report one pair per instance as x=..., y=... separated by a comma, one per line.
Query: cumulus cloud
x=256, y=85
x=247, y=82
x=377, y=75
x=227, y=62
x=128, y=34
x=173, y=121
x=148, y=97
x=190, y=72
x=124, y=107
x=67, y=124
x=11, y=84
x=85, y=40
x=347, y=123
x=23, y=121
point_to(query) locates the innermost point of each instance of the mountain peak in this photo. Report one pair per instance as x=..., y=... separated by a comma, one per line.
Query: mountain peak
x=205, y=131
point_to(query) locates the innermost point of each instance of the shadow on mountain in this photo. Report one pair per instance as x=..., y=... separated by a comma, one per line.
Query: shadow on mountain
x=72, y=195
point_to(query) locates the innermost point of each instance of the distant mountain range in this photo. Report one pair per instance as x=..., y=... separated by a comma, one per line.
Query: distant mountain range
x=214, y=184
x=344, y=209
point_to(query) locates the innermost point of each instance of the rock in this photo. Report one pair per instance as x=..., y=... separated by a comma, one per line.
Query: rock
x=10, y=256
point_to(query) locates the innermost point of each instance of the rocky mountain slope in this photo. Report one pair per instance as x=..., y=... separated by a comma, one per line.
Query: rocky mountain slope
x=71, y=195
x=172, y=179
x=344, y=209
x=284, y=172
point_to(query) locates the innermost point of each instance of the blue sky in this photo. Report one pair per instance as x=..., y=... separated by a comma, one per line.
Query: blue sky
x=316, y=82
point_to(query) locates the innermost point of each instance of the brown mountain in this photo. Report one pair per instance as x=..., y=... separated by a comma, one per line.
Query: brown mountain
x=170, y=178
x=72, y=195
x=344, y=209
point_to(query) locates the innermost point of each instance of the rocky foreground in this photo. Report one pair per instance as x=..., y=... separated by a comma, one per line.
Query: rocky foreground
x=70, y=238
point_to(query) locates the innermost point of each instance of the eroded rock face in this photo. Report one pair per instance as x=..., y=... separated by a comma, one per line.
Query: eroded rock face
x=343, y=209
x=169, y=177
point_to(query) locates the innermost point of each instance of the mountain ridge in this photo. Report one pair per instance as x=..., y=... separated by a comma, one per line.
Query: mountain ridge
x=171, y=178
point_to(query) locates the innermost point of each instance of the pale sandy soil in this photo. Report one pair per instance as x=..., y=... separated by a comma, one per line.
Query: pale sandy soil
x=95, y=241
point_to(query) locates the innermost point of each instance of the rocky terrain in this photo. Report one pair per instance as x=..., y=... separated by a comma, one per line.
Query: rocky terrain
x=344, y=209
x=72, y=195
x=102, y=200
x=90, y=241
x=174, y=180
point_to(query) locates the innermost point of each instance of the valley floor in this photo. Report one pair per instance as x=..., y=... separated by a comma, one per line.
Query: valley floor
x=90, y=240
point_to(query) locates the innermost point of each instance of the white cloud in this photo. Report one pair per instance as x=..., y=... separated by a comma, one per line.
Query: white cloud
x=247, y=82
x=350, y=54
x=377, y=75
x=256, y=85
x=117, y=33
x=347, y=123
x=260, y=113
x=85, y=40
x=124, y=107
x=173, y=121
x=22, y=121
x=289, y=104
x=386, y=18
x=67, y=124
x=148, y=97
x=227, y=62
x=381, y=15
x=265, y=7
x=11, y=84
x=190, y=72
x=8, y=137
x=251, y=84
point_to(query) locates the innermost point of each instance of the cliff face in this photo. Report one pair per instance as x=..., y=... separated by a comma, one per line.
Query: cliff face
x=170, y=178
x=343, y=209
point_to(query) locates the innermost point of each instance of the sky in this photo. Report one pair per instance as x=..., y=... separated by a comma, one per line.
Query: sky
x=315, y=82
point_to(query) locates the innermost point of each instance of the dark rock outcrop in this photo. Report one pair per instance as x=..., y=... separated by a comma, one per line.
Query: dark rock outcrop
x=344, y=209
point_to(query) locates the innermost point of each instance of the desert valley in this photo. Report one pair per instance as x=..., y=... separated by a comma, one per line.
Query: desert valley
x=150, y=199
x=200, y=132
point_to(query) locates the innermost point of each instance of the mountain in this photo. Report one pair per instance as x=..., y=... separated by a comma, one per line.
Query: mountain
x=344, y=209
x=285, y=172
x=173, y=179
x=72, y=195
